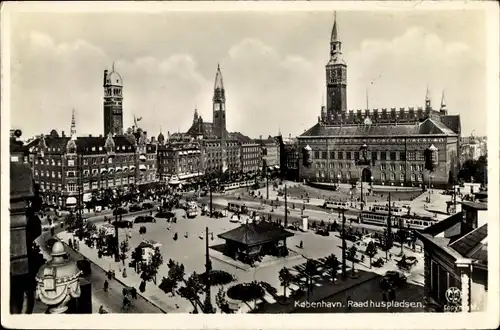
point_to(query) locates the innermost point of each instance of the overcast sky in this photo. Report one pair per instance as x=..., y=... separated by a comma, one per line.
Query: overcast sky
x=273, y=66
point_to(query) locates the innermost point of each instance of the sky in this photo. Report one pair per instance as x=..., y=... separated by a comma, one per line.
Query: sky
x=273, y=64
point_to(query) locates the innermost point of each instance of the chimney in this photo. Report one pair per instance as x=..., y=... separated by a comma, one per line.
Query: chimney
x=90, y=135
x=63, y=134
x=105, y=76
x=290, y=136
x=100, y=135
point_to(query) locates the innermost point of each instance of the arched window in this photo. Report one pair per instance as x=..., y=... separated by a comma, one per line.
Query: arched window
x=382, y=176
x=413, y=177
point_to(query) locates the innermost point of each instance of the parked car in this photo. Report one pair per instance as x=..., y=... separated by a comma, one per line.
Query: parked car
x=165, y=214
x=123, y=224
x=323, y=231
x=378, y=263
x=411, y=260
x=84, y=266
x=397, y=279
x=147, y=206
x=144, y=218
x=134, y=208
x=119, y=211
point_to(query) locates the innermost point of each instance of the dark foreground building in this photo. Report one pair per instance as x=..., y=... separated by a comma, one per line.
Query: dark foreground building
x=251, y=241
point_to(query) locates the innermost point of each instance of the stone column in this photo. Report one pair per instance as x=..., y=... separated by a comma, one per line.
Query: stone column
x=465, y=279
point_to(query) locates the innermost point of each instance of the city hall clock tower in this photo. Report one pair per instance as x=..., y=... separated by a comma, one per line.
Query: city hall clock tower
x=336, y=79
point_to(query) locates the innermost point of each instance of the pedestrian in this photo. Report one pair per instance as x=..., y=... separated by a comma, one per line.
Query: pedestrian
x=301, y=245
x=106, y=285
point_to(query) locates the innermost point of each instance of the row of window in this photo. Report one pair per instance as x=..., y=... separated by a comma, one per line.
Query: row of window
x=384, y=155
x=93, y=161
x=376, y=141
x=383, y=167
x=72, y=174
x=383, y=176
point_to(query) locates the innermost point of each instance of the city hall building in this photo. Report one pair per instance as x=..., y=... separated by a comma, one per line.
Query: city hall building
x=394, y=140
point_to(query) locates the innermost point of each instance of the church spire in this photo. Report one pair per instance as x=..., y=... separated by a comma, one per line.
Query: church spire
x=72, y=130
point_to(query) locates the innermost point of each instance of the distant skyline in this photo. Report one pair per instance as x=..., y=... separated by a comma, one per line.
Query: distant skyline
x=273, y=64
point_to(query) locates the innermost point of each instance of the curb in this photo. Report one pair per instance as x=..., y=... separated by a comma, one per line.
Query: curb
x=117, y=279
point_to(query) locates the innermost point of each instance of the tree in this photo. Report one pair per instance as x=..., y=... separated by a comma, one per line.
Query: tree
x=371, y=251
x=124, y=248
x=311, y=270
x=70, y=221
x=221, y=301
x=101, y=239
x=137, y=257
x=156, y=262
x=332, y=264
x=147, y=272
x=175, y=274
x=192, y=289
x=351, y=254
x=285, y=278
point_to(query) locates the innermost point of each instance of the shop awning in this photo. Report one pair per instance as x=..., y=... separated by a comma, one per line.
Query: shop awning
x=118, y=169
x=111, y=170
x=142, y=167
x=142, y=158
x=132, y=167
x=103, y=170
x=125, y=168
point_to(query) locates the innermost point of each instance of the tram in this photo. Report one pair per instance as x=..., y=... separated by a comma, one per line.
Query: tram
x=237, y=207
x=400, y=220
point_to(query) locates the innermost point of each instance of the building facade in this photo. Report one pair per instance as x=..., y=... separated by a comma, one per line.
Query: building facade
x=251, y=157
x=212, y=157
x=289, y=158
x=179, y=162
x=395, y=140
x=456, y=260
x=67, y=167
x=270, y=152
x=113, y=102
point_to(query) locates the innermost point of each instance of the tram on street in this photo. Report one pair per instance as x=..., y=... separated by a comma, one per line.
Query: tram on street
x=237, y=185
x=405, y=221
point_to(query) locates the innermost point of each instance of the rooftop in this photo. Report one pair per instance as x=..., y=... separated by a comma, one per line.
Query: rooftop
x=256, y=233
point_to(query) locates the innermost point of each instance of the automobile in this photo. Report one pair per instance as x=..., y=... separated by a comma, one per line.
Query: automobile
x=123, y=224
x=411, y=260
x=50, y=243
x=323, y=232
x=134, y=208
x=163, y=214
x=396, y=278
x=147, y=206
x=98, y=209
x=144, y=218
x=119, y=211
x=378, y=263
x=84, y=266
x=234, y=218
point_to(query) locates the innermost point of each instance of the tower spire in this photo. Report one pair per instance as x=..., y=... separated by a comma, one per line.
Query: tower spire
x=73, y=124
x=219, y=83
x=367, y=104
x=443, y=109
x=113, y=67
x=334, y=29
x=427, y=99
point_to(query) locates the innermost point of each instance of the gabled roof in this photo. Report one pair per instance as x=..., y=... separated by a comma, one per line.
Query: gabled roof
x=473, y=244
x=201, y=128
x=452, y=122
x=481, y=206
x=256, y=233
x=428, y=126
x=239, y=137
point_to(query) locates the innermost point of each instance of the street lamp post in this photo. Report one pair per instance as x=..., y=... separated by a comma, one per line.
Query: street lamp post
x=341, y=211
x=207, y=308
x=363, y=161
x=339, y=176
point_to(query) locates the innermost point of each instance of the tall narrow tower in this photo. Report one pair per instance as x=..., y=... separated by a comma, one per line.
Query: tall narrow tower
x=219, y=104
x=428, y=105
x=72, y=130
x=113, y=98
x=443, y=109
x=336, y=78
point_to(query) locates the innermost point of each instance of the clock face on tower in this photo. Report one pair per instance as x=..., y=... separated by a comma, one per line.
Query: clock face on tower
x=217, y=106
x=333, y=76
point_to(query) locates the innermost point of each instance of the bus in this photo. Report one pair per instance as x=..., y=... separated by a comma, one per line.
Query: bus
x=192, y=210
x=333, y=205
x=404, y=221
x=237, y=207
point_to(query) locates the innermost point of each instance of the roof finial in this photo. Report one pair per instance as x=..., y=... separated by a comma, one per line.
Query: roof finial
x=427, y=95
x=113, y=67
x=160, y=128
x=73, y=124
